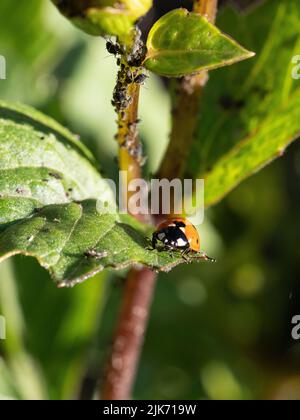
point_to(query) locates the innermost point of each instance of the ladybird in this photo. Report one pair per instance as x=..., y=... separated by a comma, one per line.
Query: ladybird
x=177, y=234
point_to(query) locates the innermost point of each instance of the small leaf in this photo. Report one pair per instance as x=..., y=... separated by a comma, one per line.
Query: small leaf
x=104, y=17
x=49, y=190
x=182, y=43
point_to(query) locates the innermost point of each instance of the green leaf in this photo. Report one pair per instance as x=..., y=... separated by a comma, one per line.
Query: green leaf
x=41, y=163
x=182, y=43
x=49, y=189
x=243, y=129
x=74, y=242
x=104, y=17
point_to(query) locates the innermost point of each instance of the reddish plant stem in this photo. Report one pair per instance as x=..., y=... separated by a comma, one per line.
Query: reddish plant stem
x=207, y=8
x=140, y=282
x=129, y=335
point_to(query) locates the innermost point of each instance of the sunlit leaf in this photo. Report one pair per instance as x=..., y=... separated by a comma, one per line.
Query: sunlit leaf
x=181, y=43
x=41, y=163
x=74, y=242
x=49, y=189
x=251, y=112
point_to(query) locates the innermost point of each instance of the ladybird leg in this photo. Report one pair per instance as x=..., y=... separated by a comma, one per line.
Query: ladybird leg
x=154, y=241
x=170, y=249
x=149, y=247
x=184, y=254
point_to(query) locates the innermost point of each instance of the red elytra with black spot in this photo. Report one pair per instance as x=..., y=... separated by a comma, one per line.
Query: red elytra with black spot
x=188, y=229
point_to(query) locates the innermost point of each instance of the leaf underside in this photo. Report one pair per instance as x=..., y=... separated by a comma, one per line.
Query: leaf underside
x=48, y=204
x=183, y=43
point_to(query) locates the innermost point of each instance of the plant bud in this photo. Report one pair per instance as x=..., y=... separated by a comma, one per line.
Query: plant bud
x=104, y=17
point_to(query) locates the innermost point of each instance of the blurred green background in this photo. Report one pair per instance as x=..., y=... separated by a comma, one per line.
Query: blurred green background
x=219, y=331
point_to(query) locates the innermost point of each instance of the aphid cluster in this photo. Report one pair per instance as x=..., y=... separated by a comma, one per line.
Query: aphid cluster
x=93, y=254
x=114, y=49
x=121, y=99
x=130, y=72
x=126, y=76
x=138, y=52
x=135, y=76
x=134, y=148
x=140, y=78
